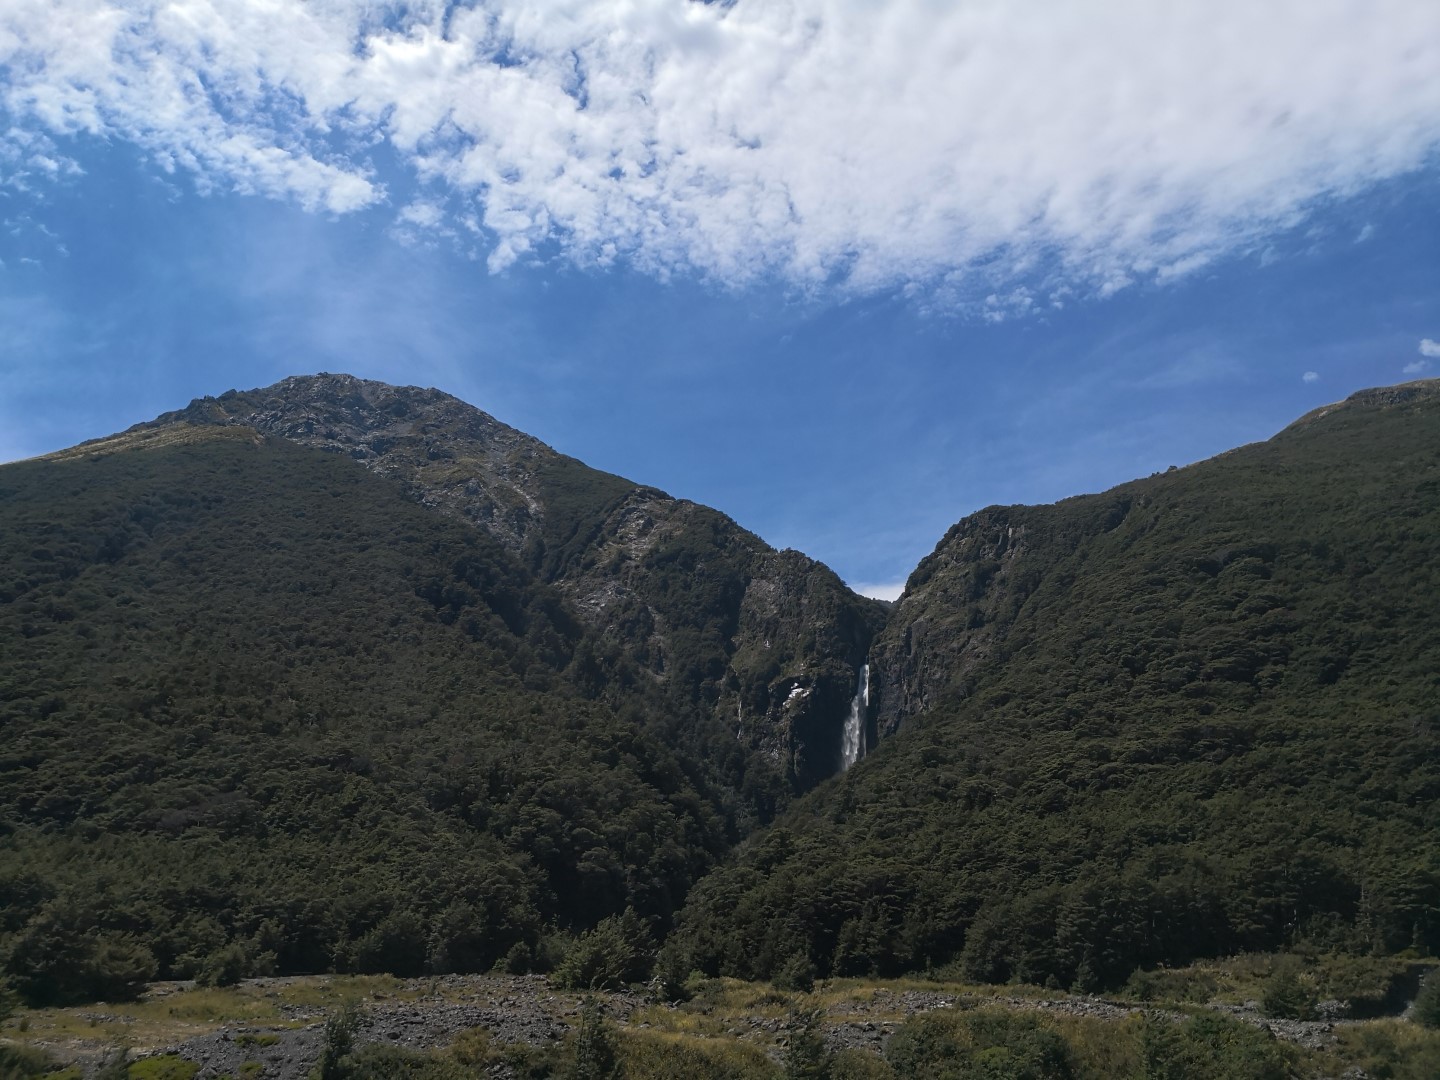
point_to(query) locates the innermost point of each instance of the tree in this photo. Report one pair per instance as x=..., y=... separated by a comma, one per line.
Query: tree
x=806, y=1057
x=594, y=1050
x=1426, y=1010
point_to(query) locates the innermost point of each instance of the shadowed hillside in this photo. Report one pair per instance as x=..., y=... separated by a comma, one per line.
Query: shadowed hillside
x=1193, y=715
x=759, y=646
x=262, y=711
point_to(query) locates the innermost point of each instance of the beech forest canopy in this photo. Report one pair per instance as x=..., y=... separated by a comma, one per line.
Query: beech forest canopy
x=263, y=711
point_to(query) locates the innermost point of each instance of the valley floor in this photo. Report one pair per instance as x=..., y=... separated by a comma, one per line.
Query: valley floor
x=509, y=1026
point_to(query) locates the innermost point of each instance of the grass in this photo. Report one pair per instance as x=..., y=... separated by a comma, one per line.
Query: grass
x=169, y=1014
x=730, y=1029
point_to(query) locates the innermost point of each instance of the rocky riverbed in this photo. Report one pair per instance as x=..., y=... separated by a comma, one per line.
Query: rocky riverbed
x=427, y=1013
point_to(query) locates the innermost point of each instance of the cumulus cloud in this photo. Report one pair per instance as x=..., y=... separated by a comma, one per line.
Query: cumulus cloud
x=1310, y=376
x=960, y=149
x=1429, y=348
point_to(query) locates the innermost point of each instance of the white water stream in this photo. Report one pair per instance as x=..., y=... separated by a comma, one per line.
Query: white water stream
x=852, y=747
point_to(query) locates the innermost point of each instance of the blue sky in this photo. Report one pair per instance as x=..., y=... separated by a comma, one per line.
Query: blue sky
x=845, y=276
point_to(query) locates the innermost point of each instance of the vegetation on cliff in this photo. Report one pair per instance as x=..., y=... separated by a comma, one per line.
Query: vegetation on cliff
x=1192, y=716
x=266, y=710
x=261, y=711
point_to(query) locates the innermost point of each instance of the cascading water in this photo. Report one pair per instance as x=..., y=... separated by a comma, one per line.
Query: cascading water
x=852, y=746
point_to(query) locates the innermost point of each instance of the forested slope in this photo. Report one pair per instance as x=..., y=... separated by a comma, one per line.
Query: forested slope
x=1197, y=714
x=258, y=707
x=748, y=643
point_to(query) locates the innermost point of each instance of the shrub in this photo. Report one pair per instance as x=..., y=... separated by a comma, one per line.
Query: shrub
x=1288, y=997
x=115, y=1065
x=805, y=1055
x=852, y=1064
x=224, y=967
x=1214, y=1047
x=23, y=1062
x=984, y=1045
x=1171, y=985
x=339, y=1039
x=618, y=951
x=594, y=1047
x=1426, y=1010
x=653, y=1055
x=796, y=975
x=673, y=972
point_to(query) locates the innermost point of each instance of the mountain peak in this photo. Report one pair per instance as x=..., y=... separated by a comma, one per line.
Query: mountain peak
x=1418, y=392
x=451, y=455
x=645, y=571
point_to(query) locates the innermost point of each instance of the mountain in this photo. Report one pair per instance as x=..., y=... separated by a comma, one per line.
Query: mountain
x=341, y=676
x=768, y=644
x=262, y=711
x=1194, y=715
x=265, y=709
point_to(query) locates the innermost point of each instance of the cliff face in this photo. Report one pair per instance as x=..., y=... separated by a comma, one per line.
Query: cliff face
x=945, y=625
x=767, y=643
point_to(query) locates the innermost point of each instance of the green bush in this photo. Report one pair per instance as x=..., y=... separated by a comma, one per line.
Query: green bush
x=982, y=1045
x=1389, y=1050
x=224, y=967
x=1167, y=985
x=651, y=1055
x=24, y=1062
x=618, y=951
x=341, y=1027
x=806, y=1057
x=114, y=1065
x=1426, y=1009
x=672, y=971
x=852, y=1064
x=1288, y=996
x=1213, y=1047
x=384, y=1061
x=796, y=975
x=594, y=1046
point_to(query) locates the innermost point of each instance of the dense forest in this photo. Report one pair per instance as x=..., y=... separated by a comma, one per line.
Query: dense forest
x=267, y=707
x=261, y=709
x=1195, y=715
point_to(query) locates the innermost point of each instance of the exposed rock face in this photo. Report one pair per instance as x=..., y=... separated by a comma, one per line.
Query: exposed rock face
x=769, y=642
x=451, y=455
x=946, y=624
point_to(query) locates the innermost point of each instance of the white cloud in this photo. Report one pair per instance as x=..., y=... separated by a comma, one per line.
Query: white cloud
x=884, y=591
x=1429, y=348
x=1310, y=376
x=1415, y=367
x=961, y=148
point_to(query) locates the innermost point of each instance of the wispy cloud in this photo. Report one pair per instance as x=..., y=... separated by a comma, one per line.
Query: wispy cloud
x=1310, y=377
x=955, y=148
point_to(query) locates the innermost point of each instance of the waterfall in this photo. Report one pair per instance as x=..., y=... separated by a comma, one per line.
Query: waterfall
x=852, y=747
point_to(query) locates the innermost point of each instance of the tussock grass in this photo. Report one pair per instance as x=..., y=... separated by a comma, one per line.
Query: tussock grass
x=172, y=1013
x=664, y=1055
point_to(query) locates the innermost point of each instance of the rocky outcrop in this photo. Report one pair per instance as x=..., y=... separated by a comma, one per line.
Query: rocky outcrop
x=945, y=626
